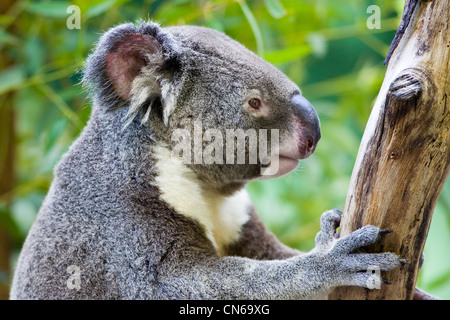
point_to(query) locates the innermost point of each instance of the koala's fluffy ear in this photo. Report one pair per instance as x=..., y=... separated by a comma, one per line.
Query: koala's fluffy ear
x=134, y=66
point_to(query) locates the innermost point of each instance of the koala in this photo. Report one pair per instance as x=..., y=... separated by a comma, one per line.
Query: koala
x=124, y=218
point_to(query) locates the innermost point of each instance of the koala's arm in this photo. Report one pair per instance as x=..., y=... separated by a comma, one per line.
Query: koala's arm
x=256, y=242
x=330, y=264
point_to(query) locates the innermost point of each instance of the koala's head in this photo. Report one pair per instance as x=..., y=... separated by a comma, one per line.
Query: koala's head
x=196, y=80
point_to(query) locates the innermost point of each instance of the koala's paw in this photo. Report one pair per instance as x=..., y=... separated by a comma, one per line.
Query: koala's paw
x=339, y=259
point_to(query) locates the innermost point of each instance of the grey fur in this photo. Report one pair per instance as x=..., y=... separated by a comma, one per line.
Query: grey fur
x=104, y=212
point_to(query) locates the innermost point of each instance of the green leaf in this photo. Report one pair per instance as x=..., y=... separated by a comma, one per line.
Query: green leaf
x=318, y=44
x=8, y=38
x=49, y=9
x=100, y=8
x=288, y=54
x=23, y=212
x=11, y=78
x=215, y=23
x=35, y=54
x=275, y=8
x=439, y=280
x=254, y=26
x=8, y=222
x=55, y=131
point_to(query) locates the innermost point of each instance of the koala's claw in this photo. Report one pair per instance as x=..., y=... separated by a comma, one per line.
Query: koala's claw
x=385, y=231
x=403, y=261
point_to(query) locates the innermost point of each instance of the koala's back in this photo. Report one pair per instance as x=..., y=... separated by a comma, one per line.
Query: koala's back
x=92, y=229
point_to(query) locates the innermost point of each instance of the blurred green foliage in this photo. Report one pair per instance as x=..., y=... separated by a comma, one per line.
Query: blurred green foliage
x=322, y=45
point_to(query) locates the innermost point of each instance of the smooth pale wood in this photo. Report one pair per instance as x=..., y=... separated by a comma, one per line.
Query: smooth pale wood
x=404, y=157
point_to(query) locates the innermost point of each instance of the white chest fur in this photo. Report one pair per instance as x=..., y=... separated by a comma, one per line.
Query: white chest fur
x=221, y=216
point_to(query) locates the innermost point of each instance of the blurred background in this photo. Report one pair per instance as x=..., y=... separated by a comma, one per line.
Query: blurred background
x=325, y=46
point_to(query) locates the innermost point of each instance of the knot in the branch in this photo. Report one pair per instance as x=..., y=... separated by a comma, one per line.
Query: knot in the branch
x=408, y=85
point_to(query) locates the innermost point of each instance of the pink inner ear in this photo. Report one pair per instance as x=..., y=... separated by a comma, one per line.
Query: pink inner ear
x=125, y=62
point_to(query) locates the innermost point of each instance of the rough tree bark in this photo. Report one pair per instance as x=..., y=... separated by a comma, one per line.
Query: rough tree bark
x=404, y=157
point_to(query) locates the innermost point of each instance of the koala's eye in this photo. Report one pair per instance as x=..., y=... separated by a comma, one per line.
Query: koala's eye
x=255, y=103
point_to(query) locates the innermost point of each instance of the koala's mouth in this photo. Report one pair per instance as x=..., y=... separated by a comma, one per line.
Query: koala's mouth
x=287, y=164
x=288, y=158
x=279, y=166
x=289, y=161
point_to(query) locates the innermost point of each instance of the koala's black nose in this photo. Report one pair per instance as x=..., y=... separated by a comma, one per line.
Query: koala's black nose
x=310, y=125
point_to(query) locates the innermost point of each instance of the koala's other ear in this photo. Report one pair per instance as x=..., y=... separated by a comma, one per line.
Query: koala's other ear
x=134, y=66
